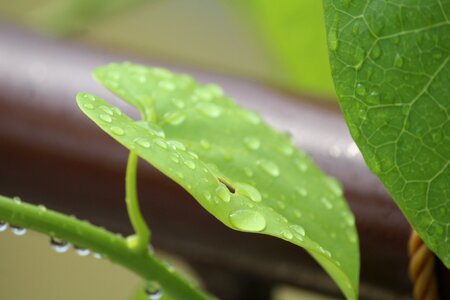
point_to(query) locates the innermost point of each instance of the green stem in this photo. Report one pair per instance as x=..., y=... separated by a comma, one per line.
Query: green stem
x=111, y=246
x=141, y=240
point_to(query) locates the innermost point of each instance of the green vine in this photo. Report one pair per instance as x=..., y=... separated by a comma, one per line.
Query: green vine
x=110, y=245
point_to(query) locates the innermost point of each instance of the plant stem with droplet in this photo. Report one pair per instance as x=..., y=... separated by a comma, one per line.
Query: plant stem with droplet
x=141, y=239
x=111, y=246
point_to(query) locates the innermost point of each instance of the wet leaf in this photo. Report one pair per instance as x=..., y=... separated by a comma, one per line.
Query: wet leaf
x=391, y=69
x=243, y=172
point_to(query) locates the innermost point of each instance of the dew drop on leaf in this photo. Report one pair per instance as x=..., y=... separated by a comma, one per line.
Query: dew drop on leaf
x=143, y=142
x=190, y=164
x=88, y=106
x=205, y=144
x=248, y=191
x=252, y=143
x=117, y=130
x=298, y=230
x=106, y=118
x=210, y=110
x=223, y=193
x=161, y=143
x=269, y=167
x=334, y=185
x=287, y=234
x=376, y=52
x=398, y=61
x=360, y=89
x=326, y=202
x=301, y=191
x=207, y=195
x=58, y=245
x=248, y=220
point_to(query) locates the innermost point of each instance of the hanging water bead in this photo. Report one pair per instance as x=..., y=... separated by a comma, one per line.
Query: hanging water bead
x=18, y=230
x=153, y=291
x=82, y=251
x=59, y=245
x=3, y=226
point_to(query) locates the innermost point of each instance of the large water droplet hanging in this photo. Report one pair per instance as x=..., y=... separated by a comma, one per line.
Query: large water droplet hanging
x=18, y=230
x=82, y=251
x=248, y=220
x=59, y=246
x=153, y=291
x=3, y=226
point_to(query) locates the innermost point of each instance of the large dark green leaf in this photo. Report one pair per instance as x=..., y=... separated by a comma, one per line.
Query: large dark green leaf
x=390, y=63
x=246, y=174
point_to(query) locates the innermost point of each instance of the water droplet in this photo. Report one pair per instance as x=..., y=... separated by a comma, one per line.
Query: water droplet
x=281, y=204
x=252, y=143
x=298, y=230
x=287, y=234
x=3, y=226
x=286, y=149
x=161, y=73
x=223, y=193
x=374, y=97
x=107, y=110
x=326, y=202
x=351, y=235
x=175, y=118
x=398, y=61
x=174, y=158
x=97, y=255
x=180, y=175
x=207, y=195
x=349, y=218
x=333, y=41
x=269, y=167
x=215, y=90
x=359, y=57
x=82, y=251
x=153, y=291
x=248, y=191
x=143, y=142
x=176, y=145
x=88, y=106
x=161, y=143
x=205, y=144
x=297, y=213
x=360, y=89
x=210, y=110
x=248, y=220
x=18, y=230
x=376, y=52
x=248, y=172
x=117, y=130
x=190, y=164
x=301, y=191
x=106, y=118
x=302, y=166
x=251, y=117
x=167, y=85
x=59, y=246
x=334, y=185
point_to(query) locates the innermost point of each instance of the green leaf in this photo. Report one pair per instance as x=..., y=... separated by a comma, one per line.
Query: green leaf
x=390, y=63
x=247, y=175
x=294, y=32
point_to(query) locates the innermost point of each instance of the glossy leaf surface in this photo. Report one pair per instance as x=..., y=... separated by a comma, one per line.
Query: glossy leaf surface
x=243, y=172
x=390, y=63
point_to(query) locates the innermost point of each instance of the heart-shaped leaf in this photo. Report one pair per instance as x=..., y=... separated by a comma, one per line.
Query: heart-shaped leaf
x=391, y=69
x=243, y=172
